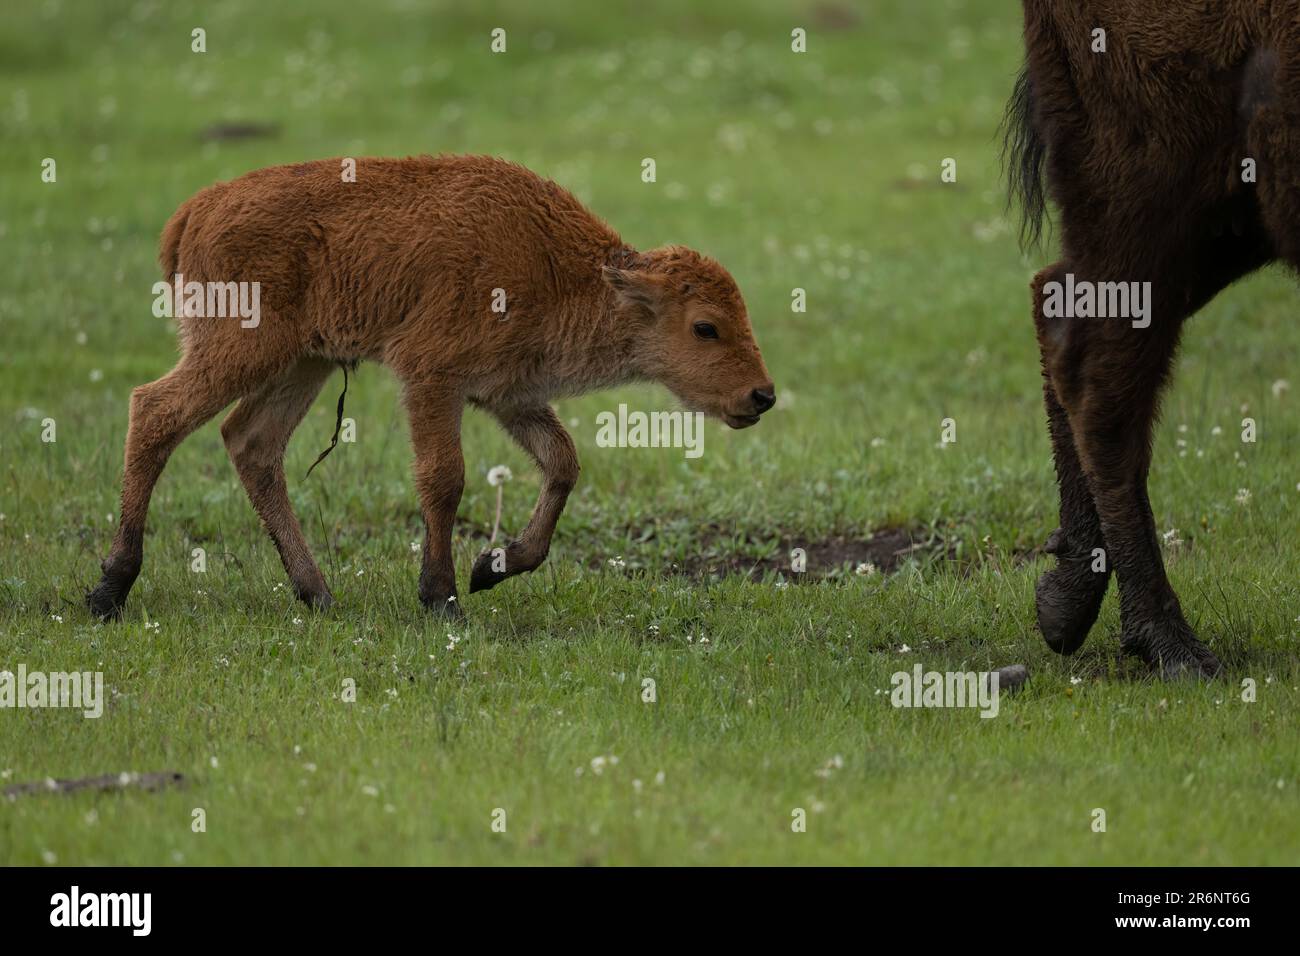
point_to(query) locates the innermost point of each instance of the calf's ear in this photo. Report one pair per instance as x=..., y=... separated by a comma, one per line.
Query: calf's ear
x=636, y=287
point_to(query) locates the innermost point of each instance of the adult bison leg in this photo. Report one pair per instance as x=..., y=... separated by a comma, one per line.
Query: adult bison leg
x=1108, y=377
x=1068, y=597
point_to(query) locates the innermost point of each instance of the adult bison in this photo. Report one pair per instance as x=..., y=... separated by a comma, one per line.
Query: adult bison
x=1168, y=136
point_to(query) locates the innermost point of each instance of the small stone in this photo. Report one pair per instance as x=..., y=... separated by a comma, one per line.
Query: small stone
x=1011, y=678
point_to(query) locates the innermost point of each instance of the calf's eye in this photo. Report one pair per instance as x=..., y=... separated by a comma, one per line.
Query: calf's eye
x=706, y=330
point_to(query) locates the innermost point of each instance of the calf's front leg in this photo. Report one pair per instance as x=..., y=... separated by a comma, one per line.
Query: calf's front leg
x=435, y=414
x=539, y=432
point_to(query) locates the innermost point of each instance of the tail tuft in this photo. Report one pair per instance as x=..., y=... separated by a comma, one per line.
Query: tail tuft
x=169, y=247
x=1023, y=156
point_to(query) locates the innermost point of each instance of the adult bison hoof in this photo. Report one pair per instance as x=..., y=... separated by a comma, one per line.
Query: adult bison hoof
x=1199, y=664
x=1068, y=597
x=1171, y=647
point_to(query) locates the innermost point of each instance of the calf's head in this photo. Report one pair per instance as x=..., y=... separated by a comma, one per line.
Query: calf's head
x=692, y=333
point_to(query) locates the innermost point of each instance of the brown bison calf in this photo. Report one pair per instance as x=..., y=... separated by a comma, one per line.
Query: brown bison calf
x=404, y=266
x=1168, y=135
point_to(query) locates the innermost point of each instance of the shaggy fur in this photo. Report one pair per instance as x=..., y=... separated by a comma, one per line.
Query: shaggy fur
x=400, y=267
x=1142, y=149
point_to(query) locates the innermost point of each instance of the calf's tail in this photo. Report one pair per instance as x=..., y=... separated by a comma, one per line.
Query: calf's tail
x=169, y=247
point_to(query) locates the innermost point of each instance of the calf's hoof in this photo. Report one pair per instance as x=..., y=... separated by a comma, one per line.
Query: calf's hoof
x=1068, y=597
x=446, y=608
x=488, y=571
x=317, y=600
x=1171, y=647
x=107, y=599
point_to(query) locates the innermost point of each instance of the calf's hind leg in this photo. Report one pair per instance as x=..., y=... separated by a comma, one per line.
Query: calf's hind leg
x=539, y=432
x=256, y=434
x=435, y=413
x=1068, y=597
x=163, y=413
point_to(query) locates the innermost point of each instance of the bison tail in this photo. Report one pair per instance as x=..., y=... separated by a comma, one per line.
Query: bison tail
x=169, y=247
x=1023, y=155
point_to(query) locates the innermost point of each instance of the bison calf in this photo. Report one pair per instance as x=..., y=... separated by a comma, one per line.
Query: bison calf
x=404, y=266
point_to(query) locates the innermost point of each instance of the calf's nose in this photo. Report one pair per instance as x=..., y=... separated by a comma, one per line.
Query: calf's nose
x=764, y=398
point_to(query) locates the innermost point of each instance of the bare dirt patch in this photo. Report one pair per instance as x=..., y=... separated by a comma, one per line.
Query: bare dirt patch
x=719, y=553
x=882, y=552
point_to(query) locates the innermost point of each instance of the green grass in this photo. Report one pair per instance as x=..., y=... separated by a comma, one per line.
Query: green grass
x=818, y=171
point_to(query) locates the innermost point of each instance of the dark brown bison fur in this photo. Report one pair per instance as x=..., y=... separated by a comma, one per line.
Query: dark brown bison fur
x=1141, y=148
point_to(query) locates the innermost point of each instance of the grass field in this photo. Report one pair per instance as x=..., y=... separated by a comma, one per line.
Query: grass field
x=817, y=171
